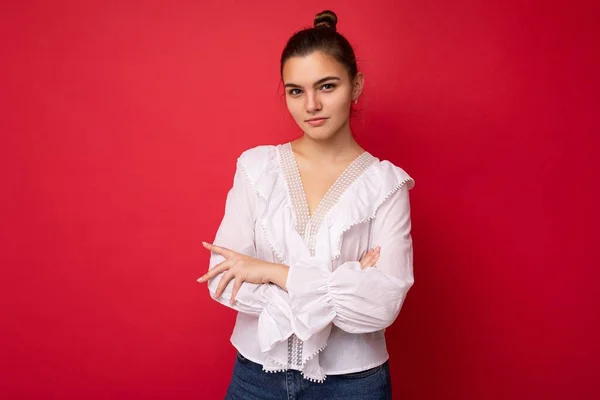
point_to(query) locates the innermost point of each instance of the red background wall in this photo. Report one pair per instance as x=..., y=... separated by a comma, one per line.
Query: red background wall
x=120, y=123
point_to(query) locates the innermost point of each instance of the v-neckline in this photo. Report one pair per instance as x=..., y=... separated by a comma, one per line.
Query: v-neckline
x=307, y=225
x=329, y=191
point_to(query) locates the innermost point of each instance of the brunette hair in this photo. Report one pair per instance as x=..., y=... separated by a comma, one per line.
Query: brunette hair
x=321, y=37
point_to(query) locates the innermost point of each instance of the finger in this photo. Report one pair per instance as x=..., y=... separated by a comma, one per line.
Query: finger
x=219, y=267
x=366, y=256
x=364, y=262
x=373, y=257
x=367, y=259
x=216, y=270
x=374, y=262
x=236, y=288
x=225, y=279
x=225, y=252
x=213, y=272
x=367, y=253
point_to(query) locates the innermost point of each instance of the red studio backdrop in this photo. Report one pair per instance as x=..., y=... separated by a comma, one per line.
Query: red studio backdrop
x=120, y=124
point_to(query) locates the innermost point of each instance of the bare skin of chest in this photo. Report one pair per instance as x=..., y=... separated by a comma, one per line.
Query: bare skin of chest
x=316, y=181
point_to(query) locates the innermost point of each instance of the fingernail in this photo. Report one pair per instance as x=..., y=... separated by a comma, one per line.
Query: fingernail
x=203, y=243
x=201, y=279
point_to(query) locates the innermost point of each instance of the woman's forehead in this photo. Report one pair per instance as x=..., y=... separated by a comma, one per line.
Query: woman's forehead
x=311, y=68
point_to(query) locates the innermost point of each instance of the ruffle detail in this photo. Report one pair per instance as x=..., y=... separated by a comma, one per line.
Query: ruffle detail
x=261, y=165
x=276, y=360
x=358, y=204
x=310, y=295
x=274, y=323
x=361, y=201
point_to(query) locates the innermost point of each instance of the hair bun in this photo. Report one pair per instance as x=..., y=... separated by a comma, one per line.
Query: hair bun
x=326, y=19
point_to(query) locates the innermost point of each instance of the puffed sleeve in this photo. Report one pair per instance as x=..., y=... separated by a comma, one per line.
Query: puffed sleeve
x=236, y=232
x=356, y=300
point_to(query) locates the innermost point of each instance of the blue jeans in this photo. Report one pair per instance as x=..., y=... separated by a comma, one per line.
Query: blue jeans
x=250, y=382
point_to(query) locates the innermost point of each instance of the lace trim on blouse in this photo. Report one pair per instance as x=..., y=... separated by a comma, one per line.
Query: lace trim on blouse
x=308, y=226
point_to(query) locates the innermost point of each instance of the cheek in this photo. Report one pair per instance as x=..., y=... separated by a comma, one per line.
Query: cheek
x=292, y=106
x=340, y=97
x=340, y=104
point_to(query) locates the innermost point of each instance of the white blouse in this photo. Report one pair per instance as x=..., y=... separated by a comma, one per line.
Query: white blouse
x=333, y=316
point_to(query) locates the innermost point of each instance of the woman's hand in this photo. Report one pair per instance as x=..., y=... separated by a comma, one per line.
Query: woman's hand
x=242, y=268
x=370, y=259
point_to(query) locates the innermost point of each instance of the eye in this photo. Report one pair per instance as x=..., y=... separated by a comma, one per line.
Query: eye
x=331, y=86
x=293, y=92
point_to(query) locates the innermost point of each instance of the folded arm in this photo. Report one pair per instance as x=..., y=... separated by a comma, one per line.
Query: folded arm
x=357, y=300
x=236, y=232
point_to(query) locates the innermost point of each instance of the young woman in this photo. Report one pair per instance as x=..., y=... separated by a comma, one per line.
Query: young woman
x=314, y=250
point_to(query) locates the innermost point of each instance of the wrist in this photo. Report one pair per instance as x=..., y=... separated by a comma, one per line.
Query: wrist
x=279, y=275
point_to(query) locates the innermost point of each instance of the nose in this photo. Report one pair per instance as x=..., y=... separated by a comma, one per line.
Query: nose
x=313, y=104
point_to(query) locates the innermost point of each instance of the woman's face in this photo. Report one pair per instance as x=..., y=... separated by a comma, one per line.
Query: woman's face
x=318, y=86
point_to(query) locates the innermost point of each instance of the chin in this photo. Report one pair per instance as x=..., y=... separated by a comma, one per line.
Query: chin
x=319, y=135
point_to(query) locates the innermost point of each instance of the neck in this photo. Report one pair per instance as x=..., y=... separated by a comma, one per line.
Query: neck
x=338, y=147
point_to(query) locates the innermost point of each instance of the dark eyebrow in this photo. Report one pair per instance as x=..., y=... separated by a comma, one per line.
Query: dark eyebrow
x=317, y=83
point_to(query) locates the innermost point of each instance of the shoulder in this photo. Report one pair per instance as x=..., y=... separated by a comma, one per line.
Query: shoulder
x=258, y=164
x=256, y=159
x=380, y=183
x=390, y=176
x=256, y=155
x=383, y=183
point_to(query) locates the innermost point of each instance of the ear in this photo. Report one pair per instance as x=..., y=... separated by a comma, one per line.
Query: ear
x=357, y=86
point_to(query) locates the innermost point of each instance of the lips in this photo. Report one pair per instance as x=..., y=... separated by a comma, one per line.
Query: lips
x=316, y=121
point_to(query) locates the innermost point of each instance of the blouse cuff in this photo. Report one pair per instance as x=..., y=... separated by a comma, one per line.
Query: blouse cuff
x=310, y=298
x=274, y=322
